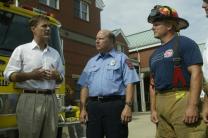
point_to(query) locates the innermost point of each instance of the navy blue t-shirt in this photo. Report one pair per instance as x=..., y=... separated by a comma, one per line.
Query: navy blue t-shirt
x=162, y=65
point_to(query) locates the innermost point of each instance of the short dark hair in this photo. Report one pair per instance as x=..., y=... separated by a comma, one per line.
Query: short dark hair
x=36, y=19
x=112, y=37
x=174, y=24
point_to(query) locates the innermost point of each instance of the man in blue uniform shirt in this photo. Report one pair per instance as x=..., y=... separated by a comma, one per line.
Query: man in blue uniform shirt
x=107, y=90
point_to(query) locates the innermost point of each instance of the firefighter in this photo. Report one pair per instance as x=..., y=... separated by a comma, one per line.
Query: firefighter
x=176, y=78
x=107, y=90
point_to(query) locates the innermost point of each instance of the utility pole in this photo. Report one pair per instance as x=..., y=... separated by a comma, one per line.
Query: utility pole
x=16, y=3
x=141, y=76
x=135, y=99
x=143, y=102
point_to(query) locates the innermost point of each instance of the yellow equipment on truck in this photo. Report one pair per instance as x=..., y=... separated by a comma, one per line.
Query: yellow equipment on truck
x=14, y=31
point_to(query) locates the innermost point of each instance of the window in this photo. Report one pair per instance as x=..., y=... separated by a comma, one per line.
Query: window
x=81, y=9
x=120, y=48
x=11, y=27
x=51, y=3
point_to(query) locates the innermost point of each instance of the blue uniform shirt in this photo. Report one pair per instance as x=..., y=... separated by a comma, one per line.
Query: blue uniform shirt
x=108, y=74
x=162, y=66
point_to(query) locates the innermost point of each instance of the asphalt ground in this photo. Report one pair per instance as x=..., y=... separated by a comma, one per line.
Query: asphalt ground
x=141, y=126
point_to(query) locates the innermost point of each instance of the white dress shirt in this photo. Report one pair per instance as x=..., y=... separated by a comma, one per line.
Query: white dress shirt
x=28, y=57
x=205, y=62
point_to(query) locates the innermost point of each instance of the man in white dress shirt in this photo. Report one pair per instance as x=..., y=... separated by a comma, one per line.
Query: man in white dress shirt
x=36, y=68
x=205, y=70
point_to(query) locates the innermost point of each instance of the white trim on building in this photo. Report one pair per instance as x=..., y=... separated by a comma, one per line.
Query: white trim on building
x=100, y=4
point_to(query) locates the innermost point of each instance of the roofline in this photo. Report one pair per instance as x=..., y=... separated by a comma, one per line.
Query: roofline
x=100, y=4
x=150, y=46
x=201, y=43
x=146, y=47
x=139, y=32
x=120, y=31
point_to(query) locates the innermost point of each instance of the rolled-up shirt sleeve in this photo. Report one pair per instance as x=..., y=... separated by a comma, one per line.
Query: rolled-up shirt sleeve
x=14, y=64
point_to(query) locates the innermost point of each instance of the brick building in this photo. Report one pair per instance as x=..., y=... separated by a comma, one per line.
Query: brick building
x=80, y=21
x=143, y=43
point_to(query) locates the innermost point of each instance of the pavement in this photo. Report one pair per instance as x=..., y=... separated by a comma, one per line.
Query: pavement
x=141, y=126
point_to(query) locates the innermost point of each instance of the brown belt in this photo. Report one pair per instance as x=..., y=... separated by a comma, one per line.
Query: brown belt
x=172, y=90
x=39, y=91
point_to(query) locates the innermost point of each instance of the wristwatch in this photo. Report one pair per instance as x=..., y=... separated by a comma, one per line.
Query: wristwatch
x=129, y=104
x=59, y=77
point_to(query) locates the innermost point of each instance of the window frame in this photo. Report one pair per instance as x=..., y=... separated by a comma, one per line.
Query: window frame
x=120, y=47
x=79, y=12
x=48, y=3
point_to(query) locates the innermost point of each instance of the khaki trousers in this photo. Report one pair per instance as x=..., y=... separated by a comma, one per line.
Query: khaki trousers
x=171, y=107
x=37, y=116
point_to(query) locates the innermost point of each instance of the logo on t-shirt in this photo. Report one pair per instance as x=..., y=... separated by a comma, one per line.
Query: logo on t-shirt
x=168, y=53
x=129, y=64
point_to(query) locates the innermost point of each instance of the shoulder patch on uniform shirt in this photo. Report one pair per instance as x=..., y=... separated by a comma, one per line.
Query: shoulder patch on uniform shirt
x=129, y=64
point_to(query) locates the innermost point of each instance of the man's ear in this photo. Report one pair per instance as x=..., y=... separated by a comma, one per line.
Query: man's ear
x=170, y=27
x=32, y=28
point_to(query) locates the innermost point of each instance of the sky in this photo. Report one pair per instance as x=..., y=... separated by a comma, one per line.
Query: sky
x=131, y=16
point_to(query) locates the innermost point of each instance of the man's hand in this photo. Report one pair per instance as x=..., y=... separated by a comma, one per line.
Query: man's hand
x=83, y=99
x=52, y=74
x=192, y=112
x=83, y=116
x=205, y=115
x=126, y=115
x=38, y=74
x=154, y=117
x=205, y=110
x=205, y=87
x=191, y=115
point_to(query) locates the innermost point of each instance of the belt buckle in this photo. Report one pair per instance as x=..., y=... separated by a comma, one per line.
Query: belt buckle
x=173, y=89
x=100, y=98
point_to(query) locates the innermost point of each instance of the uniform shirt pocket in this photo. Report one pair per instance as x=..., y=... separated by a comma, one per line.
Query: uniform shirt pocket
x=113, y=72
x=92, y=71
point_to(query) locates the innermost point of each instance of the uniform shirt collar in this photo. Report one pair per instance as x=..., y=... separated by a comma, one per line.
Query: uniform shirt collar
x=34, y=45
x=110, y=53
